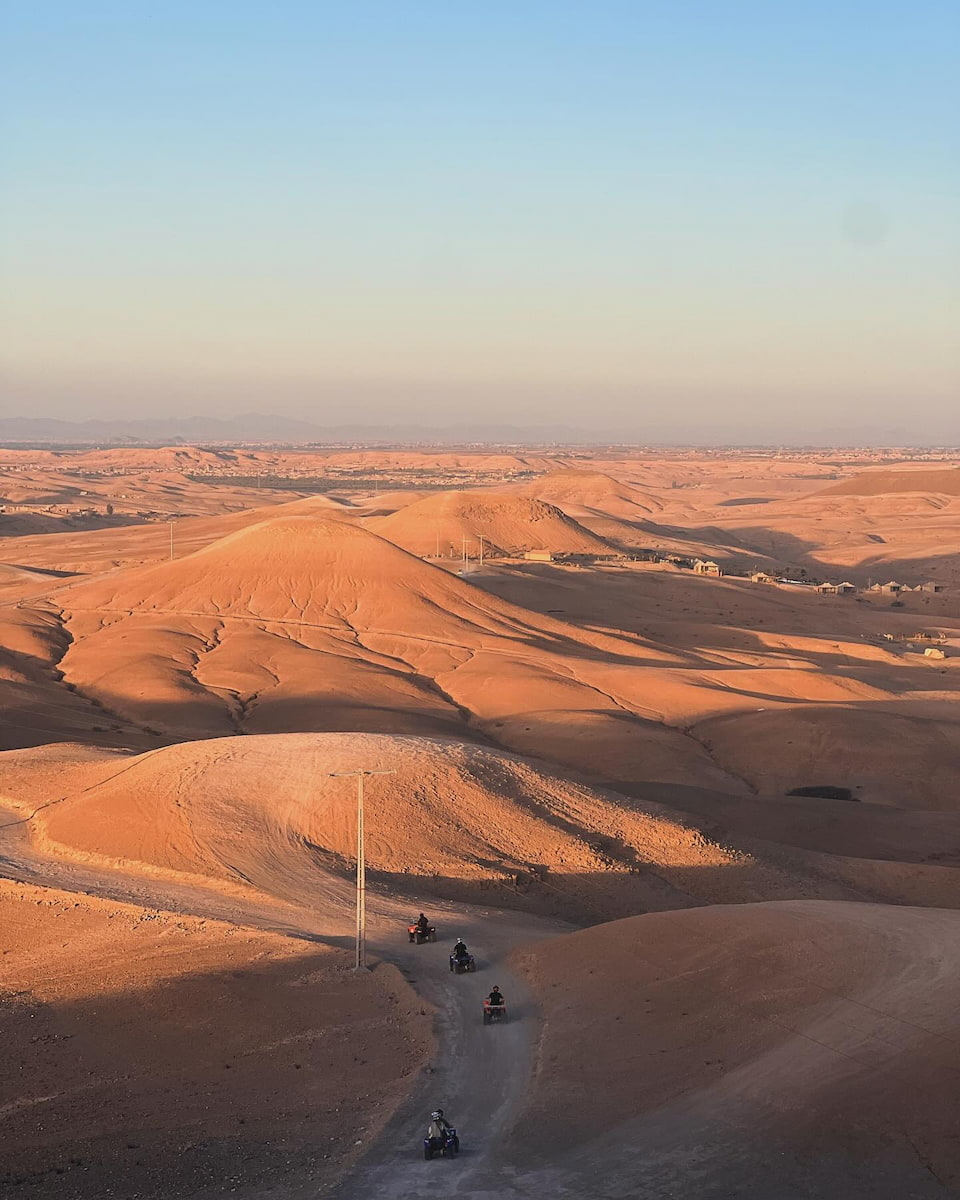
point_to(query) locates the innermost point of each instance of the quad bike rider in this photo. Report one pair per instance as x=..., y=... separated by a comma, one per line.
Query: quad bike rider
x=461, y=959
x=441, y=1136
x=494, y=1007
x=421, y=930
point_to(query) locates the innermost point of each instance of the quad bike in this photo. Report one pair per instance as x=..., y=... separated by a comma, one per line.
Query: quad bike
x=419, y=936
x=493, y=1012
x=460, y=965
x=449, y=1144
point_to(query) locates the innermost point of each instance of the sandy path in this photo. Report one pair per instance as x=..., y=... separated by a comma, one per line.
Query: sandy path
x=480, y=1075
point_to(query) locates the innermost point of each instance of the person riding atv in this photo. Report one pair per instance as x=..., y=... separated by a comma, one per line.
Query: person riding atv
x=460, y=950
x=495, y=999
x=423, y=924
x=437, y=1129
x=441, y=1137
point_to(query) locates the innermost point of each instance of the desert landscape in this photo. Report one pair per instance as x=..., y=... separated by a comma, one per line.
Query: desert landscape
x=672, y=742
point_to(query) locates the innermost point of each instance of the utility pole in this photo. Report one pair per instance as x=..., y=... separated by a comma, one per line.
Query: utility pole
x=464, y=548
x=360, y=963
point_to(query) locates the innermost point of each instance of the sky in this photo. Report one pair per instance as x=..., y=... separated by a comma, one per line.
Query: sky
x=695, y=220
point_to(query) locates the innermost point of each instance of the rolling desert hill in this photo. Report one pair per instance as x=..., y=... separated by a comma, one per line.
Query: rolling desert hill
x=509, y=526
x=584, y=492
x=770, y=1013
x=93, y=550
x=167, y=1064
x=939, y=482
x=793, y=1043
x=308, y=623
x=456, y=821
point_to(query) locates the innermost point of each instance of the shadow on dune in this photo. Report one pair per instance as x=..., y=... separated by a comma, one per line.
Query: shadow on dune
x=238, y=1082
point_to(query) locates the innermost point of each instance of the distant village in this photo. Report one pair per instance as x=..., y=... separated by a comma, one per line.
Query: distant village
x=701, y=566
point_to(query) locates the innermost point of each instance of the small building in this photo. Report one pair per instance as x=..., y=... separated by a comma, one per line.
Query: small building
x=890, y=589
x=539, y=556
x=930, y=586
x=706, y=567
x=763, y=577
x=934, y=652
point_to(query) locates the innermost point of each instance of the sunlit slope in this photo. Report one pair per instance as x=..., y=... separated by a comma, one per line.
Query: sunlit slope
x=452, y=819
x=592, y=491
x=509, y=525
x=312, y=624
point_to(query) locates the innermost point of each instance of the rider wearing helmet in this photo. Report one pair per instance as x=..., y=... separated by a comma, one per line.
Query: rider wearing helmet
x=495, y=999
x=438, y=1126
x=460, y=950
x=423, y=924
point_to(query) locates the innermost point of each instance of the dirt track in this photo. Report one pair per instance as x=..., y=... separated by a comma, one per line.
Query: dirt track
x=480, y=1074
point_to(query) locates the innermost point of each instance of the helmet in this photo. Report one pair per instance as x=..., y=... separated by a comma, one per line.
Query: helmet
x=437, y=1114
x=496, y=987
x=459, y=941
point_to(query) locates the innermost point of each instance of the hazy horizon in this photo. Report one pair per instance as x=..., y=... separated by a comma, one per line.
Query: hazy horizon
x=735, y=225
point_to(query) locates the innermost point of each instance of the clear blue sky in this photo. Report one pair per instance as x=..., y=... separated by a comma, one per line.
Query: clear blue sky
x=651, y=217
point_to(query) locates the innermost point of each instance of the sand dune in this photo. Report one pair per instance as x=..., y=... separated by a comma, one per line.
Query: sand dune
x=884, y=483
x=814, y=1037
x=185, y=1051
x=582, y=742
x=456, y=820
x=311, y=623
x=577, y=491
x=448, y=521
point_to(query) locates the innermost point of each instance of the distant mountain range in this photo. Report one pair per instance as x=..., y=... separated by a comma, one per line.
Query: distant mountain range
x=261, y=428
x=257, y=427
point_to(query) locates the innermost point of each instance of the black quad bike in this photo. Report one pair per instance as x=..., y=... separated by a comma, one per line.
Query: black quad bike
x=448, y=1145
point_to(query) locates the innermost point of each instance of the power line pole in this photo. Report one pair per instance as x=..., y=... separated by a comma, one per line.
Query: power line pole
x=360, y=963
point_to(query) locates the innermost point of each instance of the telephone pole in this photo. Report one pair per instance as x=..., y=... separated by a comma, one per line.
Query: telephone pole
x=360, y=963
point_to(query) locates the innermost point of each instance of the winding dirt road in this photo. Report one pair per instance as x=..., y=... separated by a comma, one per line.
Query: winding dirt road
x=480, y=1074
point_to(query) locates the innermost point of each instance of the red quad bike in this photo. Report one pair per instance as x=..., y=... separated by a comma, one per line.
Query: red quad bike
x=493, y=1012
x=417, y=934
